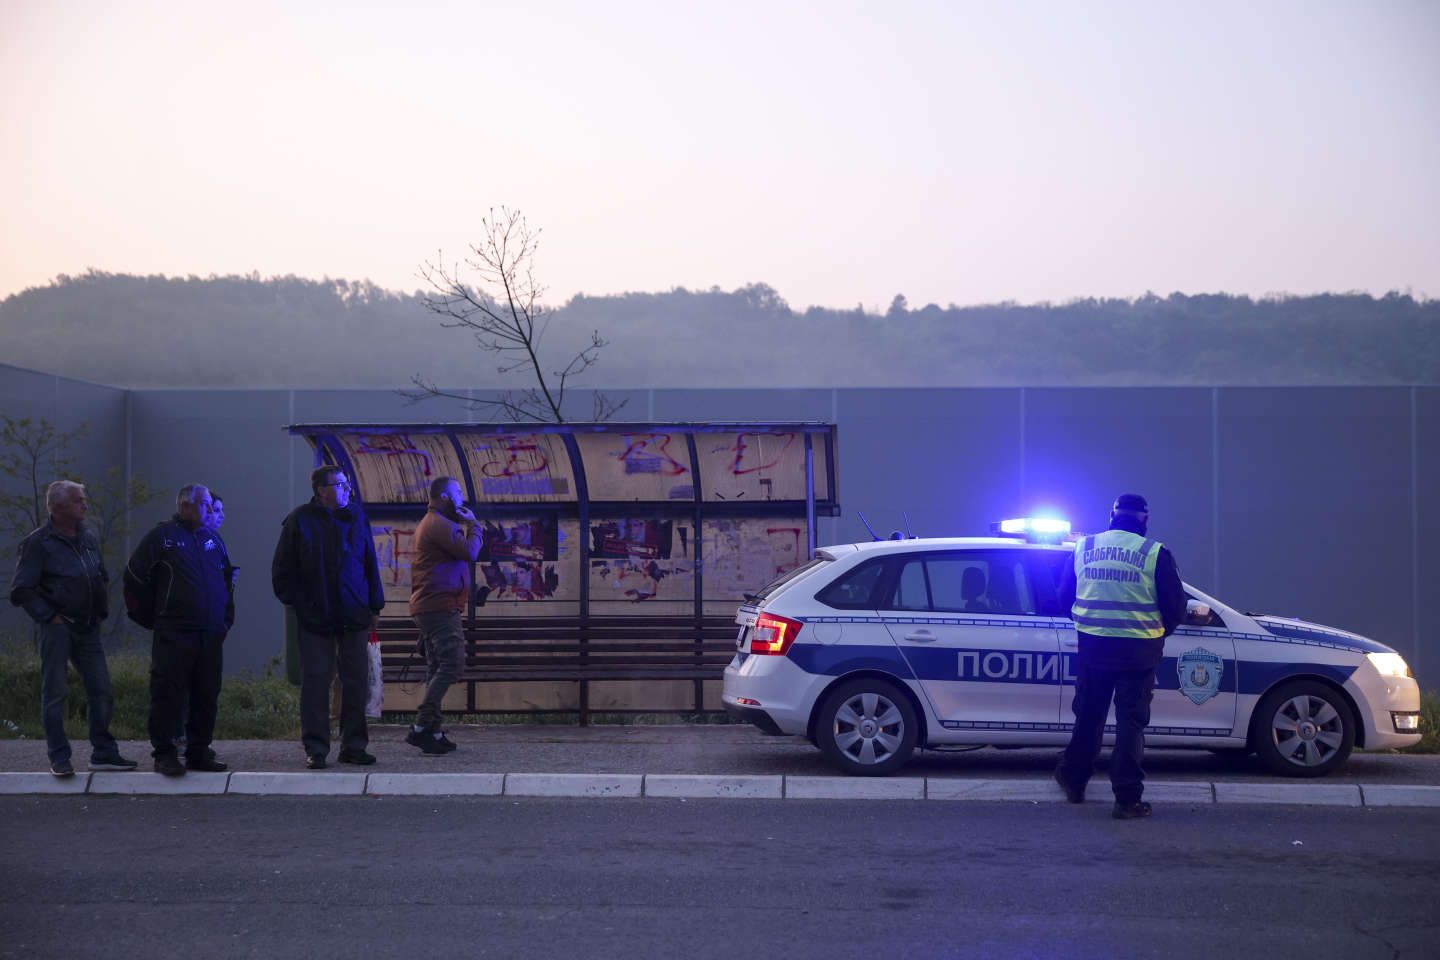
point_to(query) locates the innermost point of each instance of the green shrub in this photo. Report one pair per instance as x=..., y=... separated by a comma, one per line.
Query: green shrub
x=251, y=707
x=1429, y=724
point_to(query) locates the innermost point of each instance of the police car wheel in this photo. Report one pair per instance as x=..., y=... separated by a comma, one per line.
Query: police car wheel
x=1303, y=729
x=867, y=728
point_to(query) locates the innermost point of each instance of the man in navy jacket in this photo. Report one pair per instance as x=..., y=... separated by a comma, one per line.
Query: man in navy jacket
x=178, y=582
x=325, y=569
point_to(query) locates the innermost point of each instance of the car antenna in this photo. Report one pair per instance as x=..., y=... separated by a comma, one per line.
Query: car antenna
x=906, y=515
x=873, y=534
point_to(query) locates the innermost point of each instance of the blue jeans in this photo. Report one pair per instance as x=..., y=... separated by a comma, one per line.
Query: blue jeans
x=61, y=643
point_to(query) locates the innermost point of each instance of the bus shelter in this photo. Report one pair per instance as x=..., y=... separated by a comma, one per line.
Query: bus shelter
x=588, y=526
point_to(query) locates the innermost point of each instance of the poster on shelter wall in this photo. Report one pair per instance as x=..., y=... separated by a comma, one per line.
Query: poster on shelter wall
x=742, y=555
x=642, y=559
x=528, y=559
x=637, y=466
x=758, y=466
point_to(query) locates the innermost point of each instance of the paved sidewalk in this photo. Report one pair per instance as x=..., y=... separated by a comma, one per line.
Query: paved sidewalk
x=682, y=760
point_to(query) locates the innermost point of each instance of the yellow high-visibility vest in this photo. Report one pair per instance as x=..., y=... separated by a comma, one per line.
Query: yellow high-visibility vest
x=1115, y=586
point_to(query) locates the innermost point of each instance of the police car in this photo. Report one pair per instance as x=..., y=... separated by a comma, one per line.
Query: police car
x=871, y=650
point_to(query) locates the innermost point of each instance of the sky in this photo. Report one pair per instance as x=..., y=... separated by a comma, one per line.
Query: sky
x=841, y=152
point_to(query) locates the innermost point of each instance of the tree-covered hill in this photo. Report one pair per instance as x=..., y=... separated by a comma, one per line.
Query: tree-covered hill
x=245, y=331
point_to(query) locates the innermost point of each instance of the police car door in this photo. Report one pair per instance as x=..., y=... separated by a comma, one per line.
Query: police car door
x=1196, y=682
x=967, y=623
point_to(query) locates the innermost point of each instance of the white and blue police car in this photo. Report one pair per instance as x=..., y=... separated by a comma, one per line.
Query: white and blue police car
x=871, y=650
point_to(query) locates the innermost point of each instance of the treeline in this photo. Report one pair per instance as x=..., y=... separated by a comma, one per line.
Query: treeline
x=245, y=331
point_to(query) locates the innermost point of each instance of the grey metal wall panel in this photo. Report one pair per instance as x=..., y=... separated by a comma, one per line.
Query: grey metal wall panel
x=1085, y=446
x=951, y=458
x=1315, y=506
x=231, y=441
x=732, y=405
x=1425, y=546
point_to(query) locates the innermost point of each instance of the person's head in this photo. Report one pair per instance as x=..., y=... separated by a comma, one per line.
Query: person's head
x=446, y=496
x=193, y=503
x=66, y=503
x=1130, y=512
x=217, y=511
x=331, y=487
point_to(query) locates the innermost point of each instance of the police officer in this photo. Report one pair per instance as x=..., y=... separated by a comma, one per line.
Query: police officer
x=1125, y=597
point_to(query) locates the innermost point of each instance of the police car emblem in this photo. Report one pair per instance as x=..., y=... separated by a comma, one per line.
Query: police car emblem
x=1200, y=672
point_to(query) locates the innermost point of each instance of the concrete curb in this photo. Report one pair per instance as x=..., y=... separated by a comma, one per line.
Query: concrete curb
x=436, y=784
x=298, y=784
x=693, y=786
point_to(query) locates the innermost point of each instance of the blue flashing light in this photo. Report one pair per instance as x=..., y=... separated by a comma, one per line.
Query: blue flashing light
x=1035, y=528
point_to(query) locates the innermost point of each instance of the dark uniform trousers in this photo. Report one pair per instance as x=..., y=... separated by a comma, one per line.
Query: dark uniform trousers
x=184, y=662
x=319, y=655
x=1132, y=691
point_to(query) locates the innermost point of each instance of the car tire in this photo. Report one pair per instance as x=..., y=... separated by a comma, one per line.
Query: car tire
x=1303, y=729
x=867, y=727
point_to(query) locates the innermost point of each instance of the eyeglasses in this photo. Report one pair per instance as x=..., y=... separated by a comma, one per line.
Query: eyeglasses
x=342, y=483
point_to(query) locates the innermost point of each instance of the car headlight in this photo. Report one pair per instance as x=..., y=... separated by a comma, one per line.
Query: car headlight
x=1389, y=664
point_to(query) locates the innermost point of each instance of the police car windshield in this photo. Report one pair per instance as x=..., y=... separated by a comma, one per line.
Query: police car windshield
x=774, y=585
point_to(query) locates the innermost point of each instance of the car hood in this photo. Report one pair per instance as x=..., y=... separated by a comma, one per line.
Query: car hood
x=1303, y=631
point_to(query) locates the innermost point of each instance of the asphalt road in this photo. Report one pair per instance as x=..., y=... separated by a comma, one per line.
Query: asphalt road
x=417, y=878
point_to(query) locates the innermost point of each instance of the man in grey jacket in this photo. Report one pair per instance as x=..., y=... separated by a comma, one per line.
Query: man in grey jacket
x=62, y=583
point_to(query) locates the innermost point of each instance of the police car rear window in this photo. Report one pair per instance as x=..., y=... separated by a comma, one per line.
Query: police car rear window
x=855, y=590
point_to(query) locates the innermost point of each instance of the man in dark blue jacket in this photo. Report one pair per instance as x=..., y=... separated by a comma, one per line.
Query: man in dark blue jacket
x=325, y=569
x=61, y=583
x=178, y=582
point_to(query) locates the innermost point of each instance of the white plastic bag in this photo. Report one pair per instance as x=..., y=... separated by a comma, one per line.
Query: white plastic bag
x=376, y=700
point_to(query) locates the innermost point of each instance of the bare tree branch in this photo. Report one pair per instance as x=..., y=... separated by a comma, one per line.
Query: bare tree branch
x=510, y=322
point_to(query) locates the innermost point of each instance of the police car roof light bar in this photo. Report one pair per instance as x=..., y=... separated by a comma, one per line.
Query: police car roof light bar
x=1037, y=529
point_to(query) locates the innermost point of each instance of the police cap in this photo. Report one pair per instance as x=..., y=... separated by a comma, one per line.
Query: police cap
x=1132, y=502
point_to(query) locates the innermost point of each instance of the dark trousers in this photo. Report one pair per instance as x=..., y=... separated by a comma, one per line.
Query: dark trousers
x=1094, y=688
x=62, y=643
x=442, y=638
x=184, y=664
x=319, y=655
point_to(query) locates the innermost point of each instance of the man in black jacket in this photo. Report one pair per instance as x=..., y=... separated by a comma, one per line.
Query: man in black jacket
x=325, y=569
x=61, y=582
x=178, y=582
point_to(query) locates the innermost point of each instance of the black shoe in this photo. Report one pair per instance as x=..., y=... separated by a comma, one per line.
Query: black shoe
x=206, y=764
x=427, y=742
x=112, y=762
x=1131, y=811
x=447, y=743
x=358, y=757
x=170, y=765
x=316, y=761
x=1073, y=794
x=62, y=768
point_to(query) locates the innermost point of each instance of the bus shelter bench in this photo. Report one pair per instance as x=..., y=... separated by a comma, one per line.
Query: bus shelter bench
x=580, y=650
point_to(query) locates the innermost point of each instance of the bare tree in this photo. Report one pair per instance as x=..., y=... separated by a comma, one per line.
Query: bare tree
x=32, y=452
x=507, y=318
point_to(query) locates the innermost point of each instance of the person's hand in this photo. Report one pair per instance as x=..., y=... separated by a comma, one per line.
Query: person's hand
x=465, y=513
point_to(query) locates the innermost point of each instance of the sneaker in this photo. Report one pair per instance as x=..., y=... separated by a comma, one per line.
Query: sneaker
x=1073, y=794
x=1131, y=811
x=358, y=757
x=62, y=768
x=169, y=765
x=207, y=763
x=427, y=742
x=316, y=761
x=112, y=762
x=447, y=743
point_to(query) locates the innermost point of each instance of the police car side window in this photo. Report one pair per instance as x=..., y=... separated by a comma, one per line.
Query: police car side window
x=854, y=590
x=910, y=591
x=980, y=582
x=1047, y=570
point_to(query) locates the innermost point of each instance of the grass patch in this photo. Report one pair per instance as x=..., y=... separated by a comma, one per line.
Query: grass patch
x=1429, y=724
x=252, y=707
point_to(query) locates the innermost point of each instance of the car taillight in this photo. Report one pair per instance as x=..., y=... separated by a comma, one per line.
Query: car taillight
x=773, y=635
